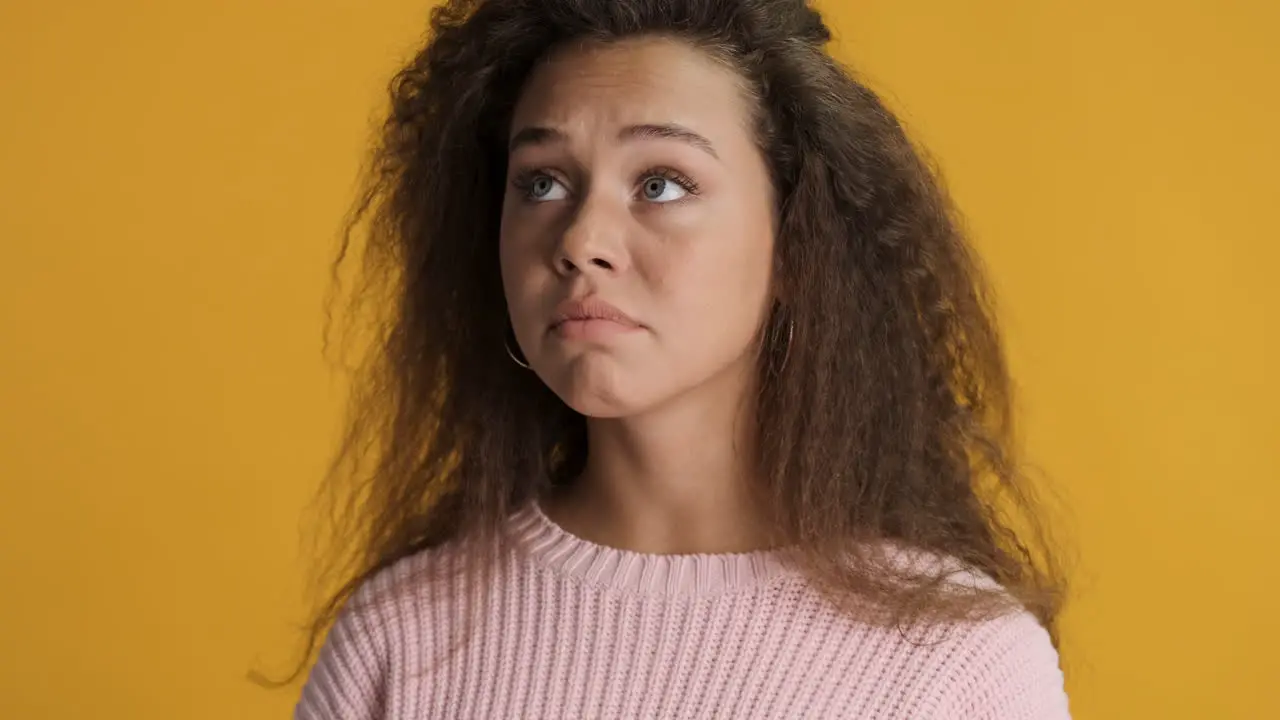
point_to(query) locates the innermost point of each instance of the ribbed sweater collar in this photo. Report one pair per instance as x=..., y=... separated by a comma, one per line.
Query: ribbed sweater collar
x=632, y=573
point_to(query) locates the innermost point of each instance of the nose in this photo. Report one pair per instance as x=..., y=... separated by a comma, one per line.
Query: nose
x=594, y=241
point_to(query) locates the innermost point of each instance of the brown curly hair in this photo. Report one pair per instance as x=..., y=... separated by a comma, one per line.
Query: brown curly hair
x=883, y=415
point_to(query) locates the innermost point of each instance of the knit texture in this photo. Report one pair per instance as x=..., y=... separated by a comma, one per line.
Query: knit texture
x=569, y=629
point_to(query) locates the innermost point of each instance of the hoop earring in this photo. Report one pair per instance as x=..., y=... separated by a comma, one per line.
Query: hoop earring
x=511, y=354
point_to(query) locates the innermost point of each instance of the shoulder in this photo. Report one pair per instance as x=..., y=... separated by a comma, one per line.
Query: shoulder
x=349, y=677
x=1004, y=668
x=1001, y=667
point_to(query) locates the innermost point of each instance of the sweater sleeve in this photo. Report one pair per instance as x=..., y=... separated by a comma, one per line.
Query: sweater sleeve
x=1010, y=672
x=348, y=680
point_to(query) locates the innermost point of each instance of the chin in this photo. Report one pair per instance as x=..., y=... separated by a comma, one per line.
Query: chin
x=597, y=390
x=594, y=406
x=596, y=401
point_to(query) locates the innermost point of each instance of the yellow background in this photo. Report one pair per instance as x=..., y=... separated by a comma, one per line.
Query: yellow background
x=171, y=178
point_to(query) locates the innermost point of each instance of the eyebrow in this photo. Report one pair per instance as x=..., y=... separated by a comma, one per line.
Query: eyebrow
x=536, y=135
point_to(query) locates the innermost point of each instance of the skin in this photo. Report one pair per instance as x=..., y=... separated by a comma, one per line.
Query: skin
x=674, y=227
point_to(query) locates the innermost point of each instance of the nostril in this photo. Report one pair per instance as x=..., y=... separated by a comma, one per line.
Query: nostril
x=567, y=266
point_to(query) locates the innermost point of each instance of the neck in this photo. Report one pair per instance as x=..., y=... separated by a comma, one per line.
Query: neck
x=675, y=480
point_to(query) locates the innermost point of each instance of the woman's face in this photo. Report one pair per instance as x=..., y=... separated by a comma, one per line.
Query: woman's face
x=637, y=226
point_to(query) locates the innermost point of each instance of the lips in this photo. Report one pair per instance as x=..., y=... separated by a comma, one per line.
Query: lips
x=590, y=316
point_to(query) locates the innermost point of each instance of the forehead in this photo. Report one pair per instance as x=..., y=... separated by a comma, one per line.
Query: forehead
x=642, y=80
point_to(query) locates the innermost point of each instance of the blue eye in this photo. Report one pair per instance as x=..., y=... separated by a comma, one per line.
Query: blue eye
x=659, y=189
x=542, y=187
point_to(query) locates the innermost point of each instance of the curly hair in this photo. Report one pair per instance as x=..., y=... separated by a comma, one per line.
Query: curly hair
x=883, y=414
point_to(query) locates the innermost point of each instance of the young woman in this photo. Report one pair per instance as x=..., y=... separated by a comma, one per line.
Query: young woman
x=689, y=403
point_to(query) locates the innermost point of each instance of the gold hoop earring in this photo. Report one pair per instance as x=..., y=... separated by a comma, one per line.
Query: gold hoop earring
x=511, y=354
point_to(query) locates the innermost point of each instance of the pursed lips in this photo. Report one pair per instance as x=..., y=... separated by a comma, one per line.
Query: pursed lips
x=590, y=318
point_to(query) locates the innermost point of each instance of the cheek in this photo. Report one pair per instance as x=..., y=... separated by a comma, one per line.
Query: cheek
x=509, y=261
x=509, y=234
x=509, y=265
x=717, y=286
x=518, y=260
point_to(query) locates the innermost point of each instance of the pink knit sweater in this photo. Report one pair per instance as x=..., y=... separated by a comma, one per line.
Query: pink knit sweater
x=576, y=630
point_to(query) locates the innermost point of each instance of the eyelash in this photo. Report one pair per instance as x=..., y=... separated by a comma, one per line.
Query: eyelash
x=523, y=181
x=684, y=181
